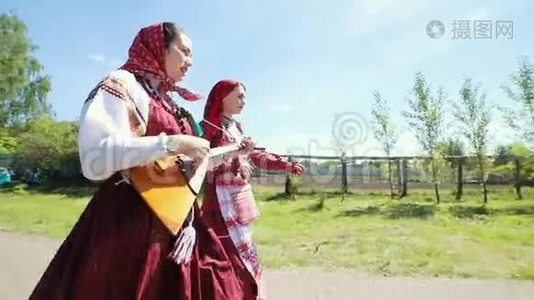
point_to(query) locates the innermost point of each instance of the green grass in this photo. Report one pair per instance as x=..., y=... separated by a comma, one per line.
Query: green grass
x=364, y=232
x=50, y=214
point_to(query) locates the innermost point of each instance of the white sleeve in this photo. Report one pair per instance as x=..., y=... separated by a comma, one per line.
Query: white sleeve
x=106, y=142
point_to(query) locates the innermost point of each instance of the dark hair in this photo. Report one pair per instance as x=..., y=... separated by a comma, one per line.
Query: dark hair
x=171, y=31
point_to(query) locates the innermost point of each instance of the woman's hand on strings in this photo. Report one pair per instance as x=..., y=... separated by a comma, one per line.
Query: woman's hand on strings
x=247, y=146
x=194, y=147
x=297, y=169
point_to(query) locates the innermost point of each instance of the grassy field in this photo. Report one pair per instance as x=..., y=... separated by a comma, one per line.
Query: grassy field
x=365, y=232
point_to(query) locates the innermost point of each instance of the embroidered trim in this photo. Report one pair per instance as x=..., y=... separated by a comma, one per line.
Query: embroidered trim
x=119, y=89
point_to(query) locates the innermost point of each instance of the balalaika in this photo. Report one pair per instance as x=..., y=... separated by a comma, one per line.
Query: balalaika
x=170, y=185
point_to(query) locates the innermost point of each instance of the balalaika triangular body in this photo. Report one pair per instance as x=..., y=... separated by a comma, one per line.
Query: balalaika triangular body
x=170, y=185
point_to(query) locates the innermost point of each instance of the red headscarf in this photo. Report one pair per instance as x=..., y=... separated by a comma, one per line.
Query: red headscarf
x=147, y=55
x=214, y=107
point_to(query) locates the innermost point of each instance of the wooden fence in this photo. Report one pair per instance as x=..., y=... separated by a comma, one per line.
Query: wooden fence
x=400, y=171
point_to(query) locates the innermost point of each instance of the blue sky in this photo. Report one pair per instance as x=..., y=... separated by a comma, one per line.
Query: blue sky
x=306, y=64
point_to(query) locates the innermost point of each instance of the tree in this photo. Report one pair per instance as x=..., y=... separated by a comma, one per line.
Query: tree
x=473, y=116
x=8, y=143
x=23, y=89
x=50, y=147
x=384, y=130
x=453, y=149
x=525, y=157
x=503, y=155
x=515, y=162
x=521, y=117
x=425, y=118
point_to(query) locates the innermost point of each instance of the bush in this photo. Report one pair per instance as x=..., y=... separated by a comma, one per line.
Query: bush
x=50, y=148
x=504, y=166
x=293, y=184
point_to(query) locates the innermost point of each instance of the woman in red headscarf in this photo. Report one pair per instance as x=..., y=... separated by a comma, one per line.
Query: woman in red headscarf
x=229, y=206
x=119, y=249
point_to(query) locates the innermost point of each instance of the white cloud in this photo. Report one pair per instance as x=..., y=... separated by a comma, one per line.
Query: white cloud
x=297, y=143
x=98, y=58
x=407, y=145
x=115, y=63
x=403, y=56
x=300, y=143
x=371, y=15
x=480, y=14
x=281, y=107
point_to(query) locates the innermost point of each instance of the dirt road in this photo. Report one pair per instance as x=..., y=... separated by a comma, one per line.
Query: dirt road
x=24, y=258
